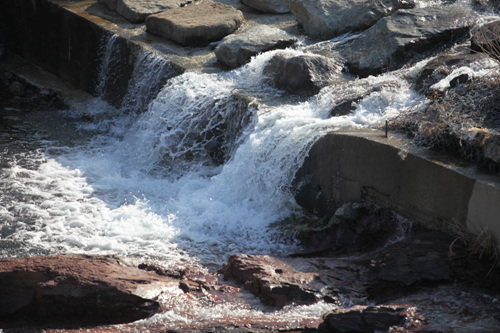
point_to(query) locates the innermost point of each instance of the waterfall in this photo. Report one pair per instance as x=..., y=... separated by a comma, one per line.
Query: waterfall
x=201, y=174
x=188, y=167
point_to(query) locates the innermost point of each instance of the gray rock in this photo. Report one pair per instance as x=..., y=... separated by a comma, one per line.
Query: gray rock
x=269, y=6
x=196, y=25
x=137, y=10
x=325, y=19
x=16, y=88
x=111, y=4
x=237, y=49
x=487, y=39
x=443, y=66
x=360, y=318
x=396, y=40
x=301, y=75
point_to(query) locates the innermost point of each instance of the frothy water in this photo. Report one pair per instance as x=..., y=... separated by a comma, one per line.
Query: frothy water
x=146, y=185
x=163, y=184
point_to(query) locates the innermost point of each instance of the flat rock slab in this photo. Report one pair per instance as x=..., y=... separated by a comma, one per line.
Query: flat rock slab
x=394, y=41
x=326, y=19
x=237, y=49
x=196, y=25
x=274, y=281
x=269, y=6
x=76, y=289
x=137, y=10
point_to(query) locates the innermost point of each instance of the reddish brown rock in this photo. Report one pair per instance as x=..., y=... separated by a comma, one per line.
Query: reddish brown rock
x=274, y=281
x=76, y=290
x=196, y=25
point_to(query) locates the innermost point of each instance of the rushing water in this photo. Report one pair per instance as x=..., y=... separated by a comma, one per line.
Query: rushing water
x=114, y=180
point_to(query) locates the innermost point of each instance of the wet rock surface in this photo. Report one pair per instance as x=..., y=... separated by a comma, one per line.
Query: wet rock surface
x=269, y=6
x=237, y=49
x=423, y=281
x=408, y=34
x=353, y=229
x=16, y=92
x=325, y=19
x=456, y=69
x=301, y=75
x=349, y=99
x=274, y=281
x=365, y=318
x=196, y=25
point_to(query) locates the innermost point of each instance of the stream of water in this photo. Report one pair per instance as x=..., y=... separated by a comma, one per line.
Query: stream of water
x=105, y=180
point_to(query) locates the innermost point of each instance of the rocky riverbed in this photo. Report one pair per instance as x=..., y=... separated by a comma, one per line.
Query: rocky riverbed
x=376, y=271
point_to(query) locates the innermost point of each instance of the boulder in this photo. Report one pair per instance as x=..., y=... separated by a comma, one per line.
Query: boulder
x=237, y=49
x=269, y=6
x=76, y=290
x=405, y=36
x=136, y=11
x=196, y=25
x=487, y=39
x=361, y=318
x=448, y=67
x=326, y=19
x=303, y=74
x=274, y=281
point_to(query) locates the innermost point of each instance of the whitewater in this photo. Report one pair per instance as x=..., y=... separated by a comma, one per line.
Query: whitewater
x=134, y=182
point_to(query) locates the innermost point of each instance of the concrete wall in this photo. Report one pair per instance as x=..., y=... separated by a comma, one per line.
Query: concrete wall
x=350, y=167
x=69, y=46
x=55, y=39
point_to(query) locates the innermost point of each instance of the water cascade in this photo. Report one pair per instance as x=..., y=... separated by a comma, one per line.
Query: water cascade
x=192, y=175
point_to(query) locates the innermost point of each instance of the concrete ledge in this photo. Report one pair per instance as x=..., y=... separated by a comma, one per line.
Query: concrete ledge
x=70, y=44
x=431, y=189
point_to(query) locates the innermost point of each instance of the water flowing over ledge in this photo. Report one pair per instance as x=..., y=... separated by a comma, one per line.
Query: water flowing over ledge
x=177, y=165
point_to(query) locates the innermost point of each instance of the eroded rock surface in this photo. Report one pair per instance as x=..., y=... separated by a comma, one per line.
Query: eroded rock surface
x=274, y=281
x=325, y=19
x=76, y=290
x=405, y=36
x=300, y=74
x=237, y=49
x=196, y=25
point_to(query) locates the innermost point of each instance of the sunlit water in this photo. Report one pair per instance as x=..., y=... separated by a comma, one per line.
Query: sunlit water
x=104, y=180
